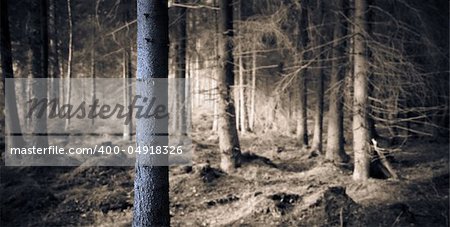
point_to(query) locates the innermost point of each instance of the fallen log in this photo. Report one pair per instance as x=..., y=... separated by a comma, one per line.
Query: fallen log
x=383, y=160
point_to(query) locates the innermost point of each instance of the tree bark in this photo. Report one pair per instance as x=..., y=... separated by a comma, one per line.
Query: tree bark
x=126, y=127
x=56, y=70
x=302, y=123
x=316, y=40
x=93, y=66
x=69, y=59
x=129, y=88
x=316, y=144
x=360, y=99
x=180, y=64
x=335, y=135
x=242, y=103
x=151, y=188
x=7, y=73
x=253, y=93
x=215, y=125
x=39, y=66
x=54, y=47
x=228, y=137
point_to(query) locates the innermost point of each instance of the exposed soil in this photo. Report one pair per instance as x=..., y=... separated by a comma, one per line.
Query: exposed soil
x=278, y=185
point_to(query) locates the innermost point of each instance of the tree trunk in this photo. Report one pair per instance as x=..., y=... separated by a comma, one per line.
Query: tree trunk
x=127, y=74
x=151, y=188
x=252, y=94
x=318, y=72
x=55, y=68
x=39, y=51
x=180, y=64
x=360, y=99
x=126, y=127
x=238, y=103
x=302, y=123
x=93, y=84
x=242, y=102
x=197, y=81
x=215, y=125
x=228, y=137
x=69, y=59
x=318, y=114
x=130, y=89
x=241, y=88
x=7, y=73
x=335, y=140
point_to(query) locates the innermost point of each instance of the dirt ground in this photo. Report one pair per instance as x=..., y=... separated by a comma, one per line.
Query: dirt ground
x=278, y=185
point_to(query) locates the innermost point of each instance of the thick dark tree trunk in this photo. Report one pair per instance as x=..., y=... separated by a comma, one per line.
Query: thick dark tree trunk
x=335, y=135
x=302, y=123
x=53, y=24
x=151, y=187
x=7, y=73
x=55, y=72
x=360, y=124
x=39, y=65
x=228, y=137
x=317, y=41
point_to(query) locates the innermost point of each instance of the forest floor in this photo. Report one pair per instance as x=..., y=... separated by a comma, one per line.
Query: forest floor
x=278, y=185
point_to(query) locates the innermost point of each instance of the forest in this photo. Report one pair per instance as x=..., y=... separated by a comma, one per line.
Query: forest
x=224, y=113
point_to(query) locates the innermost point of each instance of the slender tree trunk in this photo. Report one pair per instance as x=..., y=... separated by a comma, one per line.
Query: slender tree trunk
x=241, y=96
x=55, y=70
x=216, y=69
x=238, y=103
x=180, y=63
x=302, y=123
x=335, y=140
x=56, y=73
x=13, y=122
x=228, y=137
x=127, y=74
x=360, y=125
x=241, y=88
x=93, y=95
x=151, y=188
x=197, y=81
x=253, y=93
x=130, y=89
x=69, y=59
x=93, y=64
x=188, y=93
x=126, y=127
